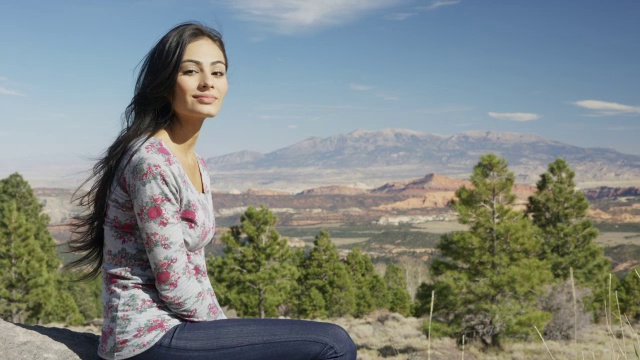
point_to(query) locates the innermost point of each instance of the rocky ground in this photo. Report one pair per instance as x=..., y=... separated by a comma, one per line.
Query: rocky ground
x=380, y=335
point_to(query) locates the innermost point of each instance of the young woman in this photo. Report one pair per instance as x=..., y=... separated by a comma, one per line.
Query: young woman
x=149, y=216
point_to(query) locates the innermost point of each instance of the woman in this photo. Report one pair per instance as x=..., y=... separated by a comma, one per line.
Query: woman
x=150, y=216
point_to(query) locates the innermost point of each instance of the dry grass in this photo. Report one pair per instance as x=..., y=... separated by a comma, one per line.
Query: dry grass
x=441, y=227
x=593, y=344
x=617, y=238
x=348, y=241
x=383, y=335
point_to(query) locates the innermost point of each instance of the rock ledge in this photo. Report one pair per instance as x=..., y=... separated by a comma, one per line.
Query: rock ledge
x=19, y=341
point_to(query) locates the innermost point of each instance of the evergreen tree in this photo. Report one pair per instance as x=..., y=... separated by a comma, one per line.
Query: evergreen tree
x=86, y=294
x=63, y=305
x=326, y=289
x=629, y=295
x=396, y=281
x=422, y=304
x=568, y=237
x=29, y=265
x=378, y=289
x=489, y=276
x=26, y=284
x=256, y=273
x=371, y=290
x=311, y=304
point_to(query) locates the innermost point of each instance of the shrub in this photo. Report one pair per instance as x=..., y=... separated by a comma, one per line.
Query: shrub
x=565, y=322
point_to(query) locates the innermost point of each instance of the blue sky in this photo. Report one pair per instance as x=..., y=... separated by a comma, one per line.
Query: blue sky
x=566, y=70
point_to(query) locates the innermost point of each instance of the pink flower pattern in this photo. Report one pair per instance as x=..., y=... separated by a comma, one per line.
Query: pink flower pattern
x=154, y=271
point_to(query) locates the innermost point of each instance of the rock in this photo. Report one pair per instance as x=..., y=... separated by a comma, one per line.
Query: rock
x=32, y=342
x=334, y=190
x=266, y=192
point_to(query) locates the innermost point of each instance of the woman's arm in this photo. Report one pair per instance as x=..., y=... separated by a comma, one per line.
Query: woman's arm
x=155, y=195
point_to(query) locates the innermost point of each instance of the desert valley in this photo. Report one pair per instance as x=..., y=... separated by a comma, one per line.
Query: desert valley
x=370, y=188
x=389, y=193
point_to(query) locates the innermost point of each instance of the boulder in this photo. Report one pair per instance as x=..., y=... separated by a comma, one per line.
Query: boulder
x=33, y=342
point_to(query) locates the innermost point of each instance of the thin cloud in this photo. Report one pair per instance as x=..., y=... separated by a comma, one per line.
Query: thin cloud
x=363, y=87
x=605, y=108
x=521, y=117
x=399, y=16
x=4, y=91
x=388, y=97
x=292, y=16
x=359, y=87
x=441, y=3
x=435, y=4
x=292, y=126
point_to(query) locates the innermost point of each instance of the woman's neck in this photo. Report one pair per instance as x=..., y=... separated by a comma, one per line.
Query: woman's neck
x=182, y=136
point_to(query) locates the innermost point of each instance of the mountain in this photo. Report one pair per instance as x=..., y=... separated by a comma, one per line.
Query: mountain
x=375, y=157
x=418, y=187
x=240, y=157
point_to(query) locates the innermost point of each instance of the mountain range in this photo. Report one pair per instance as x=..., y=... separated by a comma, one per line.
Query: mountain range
x=368, y=159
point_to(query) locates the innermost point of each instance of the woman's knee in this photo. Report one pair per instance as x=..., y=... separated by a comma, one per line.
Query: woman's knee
x=342, y=343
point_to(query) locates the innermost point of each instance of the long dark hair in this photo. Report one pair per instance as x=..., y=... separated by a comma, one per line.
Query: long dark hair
x=149, y=111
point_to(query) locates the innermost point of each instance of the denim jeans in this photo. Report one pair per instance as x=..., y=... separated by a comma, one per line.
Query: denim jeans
x=253, y=339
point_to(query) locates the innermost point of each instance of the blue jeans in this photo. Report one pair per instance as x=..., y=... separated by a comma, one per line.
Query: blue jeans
x=253, y=339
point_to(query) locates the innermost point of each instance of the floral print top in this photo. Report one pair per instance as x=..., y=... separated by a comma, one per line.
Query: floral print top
x=156, y=227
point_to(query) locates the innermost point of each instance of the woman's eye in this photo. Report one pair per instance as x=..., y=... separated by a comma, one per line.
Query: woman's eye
x=218, y=73
x=190, y=71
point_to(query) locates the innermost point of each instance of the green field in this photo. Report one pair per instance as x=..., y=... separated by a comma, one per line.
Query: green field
x=621, y=241
x=624, y=227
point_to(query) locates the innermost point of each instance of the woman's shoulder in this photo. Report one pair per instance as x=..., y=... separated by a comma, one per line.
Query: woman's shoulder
x=147, y=158
x=150, y=151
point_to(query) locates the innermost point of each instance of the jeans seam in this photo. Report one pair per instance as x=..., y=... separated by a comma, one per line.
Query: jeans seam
x=240, y=346
x=232, y=347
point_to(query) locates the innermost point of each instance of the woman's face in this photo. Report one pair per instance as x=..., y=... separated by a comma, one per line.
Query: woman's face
x=202, y=82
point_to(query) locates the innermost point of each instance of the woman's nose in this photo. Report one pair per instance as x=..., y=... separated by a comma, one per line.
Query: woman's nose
x=207, y=81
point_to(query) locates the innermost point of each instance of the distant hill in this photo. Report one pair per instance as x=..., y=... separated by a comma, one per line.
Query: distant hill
x=605, y=192
x=376, y=157
x=420, y=200
x=418, y=187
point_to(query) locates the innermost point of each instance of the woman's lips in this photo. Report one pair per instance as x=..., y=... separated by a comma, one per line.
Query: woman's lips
x=205, y=99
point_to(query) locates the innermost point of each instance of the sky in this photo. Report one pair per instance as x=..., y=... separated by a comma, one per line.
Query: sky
x=565, y=70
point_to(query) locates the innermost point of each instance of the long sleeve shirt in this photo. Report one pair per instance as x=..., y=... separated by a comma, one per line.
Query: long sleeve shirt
x=154, y=275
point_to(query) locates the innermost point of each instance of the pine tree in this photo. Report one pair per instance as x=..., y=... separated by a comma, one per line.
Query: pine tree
x=325, y=287
x=63, y=306
x=568, y=237
x=629, y=295
x=371, y=290
x=256, y=275
x=311, y=304
x=379, y=292
x=86, y=294
x=396, y=280
x=488, y=277
x=21, y=266
x=29, y=265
